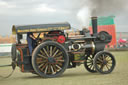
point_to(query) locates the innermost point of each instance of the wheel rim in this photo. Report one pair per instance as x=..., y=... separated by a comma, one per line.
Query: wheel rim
x=13, y=52
x=105, y=63
x=50, y=60
x=89, y=64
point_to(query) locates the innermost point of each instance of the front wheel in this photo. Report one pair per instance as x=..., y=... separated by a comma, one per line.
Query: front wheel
x=104, y=62
x=50, y=59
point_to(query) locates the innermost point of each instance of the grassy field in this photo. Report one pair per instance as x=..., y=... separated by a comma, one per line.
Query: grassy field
x=75, y=76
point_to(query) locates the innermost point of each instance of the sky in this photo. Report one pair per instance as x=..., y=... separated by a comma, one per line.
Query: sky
x=76, y=12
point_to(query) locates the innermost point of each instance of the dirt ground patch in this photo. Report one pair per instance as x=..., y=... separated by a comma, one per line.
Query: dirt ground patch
x=75, y=76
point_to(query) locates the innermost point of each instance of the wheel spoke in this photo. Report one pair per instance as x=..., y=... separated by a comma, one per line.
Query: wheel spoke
x=45, y=52
x=109, y=60
x=90, y=57
x=39, y=60
x=51, y=51
x=59, y=57
x=103, y=56
x=60, y=60
x=42, y=52
x=44, y=66
x=52, y=69
x=58, y=63
x=42, y=56
x=58, y=67
x=109, y=63
x=46, y=69
x=102, y=66
x=88, y=61
x=58, y=54
x=107, y=66
x=91, y=66
x=49, y=68
x=54, y=49
x=47, y=47
x=99, y=60
x=55, y=53
x=40, y=65
x=107, y=57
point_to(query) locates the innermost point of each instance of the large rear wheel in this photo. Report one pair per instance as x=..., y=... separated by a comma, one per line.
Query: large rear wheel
x=50, y=59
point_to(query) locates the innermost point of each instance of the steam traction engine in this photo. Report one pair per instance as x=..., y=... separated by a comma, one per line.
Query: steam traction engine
x=56, y=51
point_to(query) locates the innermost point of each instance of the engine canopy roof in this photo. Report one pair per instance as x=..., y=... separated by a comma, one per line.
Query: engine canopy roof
x=22, y=29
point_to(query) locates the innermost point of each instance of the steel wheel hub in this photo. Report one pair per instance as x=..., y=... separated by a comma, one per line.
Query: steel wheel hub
x=51, y=60
x=104, y=62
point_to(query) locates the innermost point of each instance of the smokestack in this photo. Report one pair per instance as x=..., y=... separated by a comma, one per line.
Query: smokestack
x=94, y=25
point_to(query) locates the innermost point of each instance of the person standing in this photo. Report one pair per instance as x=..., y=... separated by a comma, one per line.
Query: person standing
x=31, y=42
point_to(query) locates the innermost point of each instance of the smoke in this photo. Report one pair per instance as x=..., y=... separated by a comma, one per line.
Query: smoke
x=108, y=7
x=84, y=16
x=100, y=8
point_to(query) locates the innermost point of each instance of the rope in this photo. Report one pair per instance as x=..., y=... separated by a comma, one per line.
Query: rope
x=13, y=67
x=4, y=77
x=5, y=65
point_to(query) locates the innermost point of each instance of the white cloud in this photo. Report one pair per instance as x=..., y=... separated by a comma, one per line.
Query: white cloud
x=6, y=5
x=43, y=8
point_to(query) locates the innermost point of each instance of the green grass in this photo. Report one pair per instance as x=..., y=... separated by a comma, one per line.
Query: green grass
x=75, y=76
